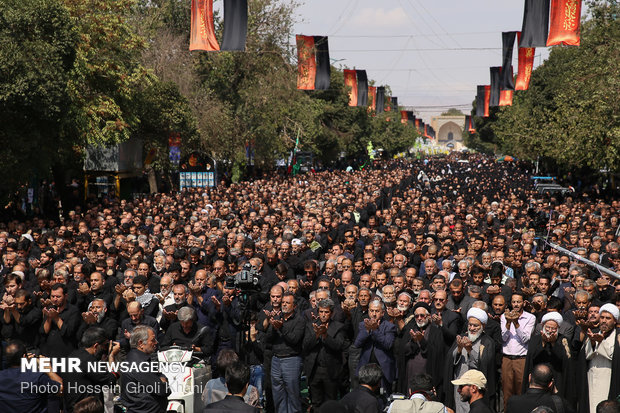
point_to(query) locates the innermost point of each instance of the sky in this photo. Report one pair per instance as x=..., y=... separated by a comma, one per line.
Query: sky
x=432, y=53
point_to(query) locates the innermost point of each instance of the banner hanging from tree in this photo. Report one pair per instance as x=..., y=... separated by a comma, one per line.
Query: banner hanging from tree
x=564, y=23
x=495, y=89
x=362, y=88
x=535, y=23
x=350, y=79
x=526, y=65
x=313, y=69
x=372, y=97
x=480, y=100
x=323, y=65
x=202, y=31
x=306, y=62
x=508, y=41
x=403, y=117
x=235, y=24
x=505, y=97
x=410, y=118
x=380, y=99
x=487, y=98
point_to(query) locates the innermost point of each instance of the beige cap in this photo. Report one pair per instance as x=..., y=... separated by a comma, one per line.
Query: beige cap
x=471, y=377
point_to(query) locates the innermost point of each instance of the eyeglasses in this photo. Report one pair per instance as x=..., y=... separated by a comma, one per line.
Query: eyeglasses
x=420, y=315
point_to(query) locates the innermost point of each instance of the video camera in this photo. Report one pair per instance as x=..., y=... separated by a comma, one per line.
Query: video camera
x=244, y=280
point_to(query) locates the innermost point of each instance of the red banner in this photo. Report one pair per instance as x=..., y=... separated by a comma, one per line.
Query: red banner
x=202, y=34
x=526, y=64
x=372, y=97
x=403, y=116
x=306, y=62
x=564, y=22
x=487, y=100
x=471, y=127
x=505, y=97
x=350, y=79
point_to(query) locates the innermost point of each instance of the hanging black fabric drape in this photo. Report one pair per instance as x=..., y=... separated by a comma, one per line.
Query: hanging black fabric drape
x=323, y=70
x=380, y=99
x=535, y=23
x=508, y=41
x=362, y=88
x=235, y=24
x=480, y=101
x=495, y=78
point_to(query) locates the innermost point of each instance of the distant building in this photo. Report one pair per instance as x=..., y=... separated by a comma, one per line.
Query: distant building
x=449, y=130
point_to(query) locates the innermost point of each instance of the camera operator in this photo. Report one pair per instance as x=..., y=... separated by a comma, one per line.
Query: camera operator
x=96, y=346
x=421, y=398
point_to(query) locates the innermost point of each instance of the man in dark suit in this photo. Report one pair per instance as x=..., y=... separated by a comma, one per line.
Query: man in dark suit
x=237, y=381
x=363, y=399
x=142, y=389
x=376, y=339
x=539, y=394
x=325, y=341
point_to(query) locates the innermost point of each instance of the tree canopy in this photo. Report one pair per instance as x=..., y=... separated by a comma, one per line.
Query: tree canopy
x=100, y=72
x=571, y=111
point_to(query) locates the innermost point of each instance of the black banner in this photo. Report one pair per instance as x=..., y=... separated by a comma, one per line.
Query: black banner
x=535, y=23
x=495, y=79
x=480, y=101
x=508, y=42
x=323, y=68
x=362, y=88
x=380, y=99
x=395, y=103
x=235, y=24
x=410, y=118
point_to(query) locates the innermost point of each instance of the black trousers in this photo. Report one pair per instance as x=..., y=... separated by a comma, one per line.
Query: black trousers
x=322, y=387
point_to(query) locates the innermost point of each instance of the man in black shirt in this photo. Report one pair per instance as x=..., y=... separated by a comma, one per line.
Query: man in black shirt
x=61, y=321
x=22, y=320
x=540, y=393
x=187, y=333
x=285, y=333
x=363, y=399
x=79, y=385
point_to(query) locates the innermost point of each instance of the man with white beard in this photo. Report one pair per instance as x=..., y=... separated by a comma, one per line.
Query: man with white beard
x=96, y=316
x=165, y=295
x=475, y=350
x=420, y=348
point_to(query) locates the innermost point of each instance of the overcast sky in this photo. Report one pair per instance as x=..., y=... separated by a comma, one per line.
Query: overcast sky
x=418, y=47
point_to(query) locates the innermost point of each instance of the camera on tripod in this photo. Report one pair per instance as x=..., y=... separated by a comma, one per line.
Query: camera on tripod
x=244, y=280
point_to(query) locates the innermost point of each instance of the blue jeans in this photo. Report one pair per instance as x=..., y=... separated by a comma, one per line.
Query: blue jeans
x=285, y=380
x=256, y=379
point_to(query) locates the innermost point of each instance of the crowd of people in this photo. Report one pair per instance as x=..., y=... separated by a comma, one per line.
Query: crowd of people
x=430, y=278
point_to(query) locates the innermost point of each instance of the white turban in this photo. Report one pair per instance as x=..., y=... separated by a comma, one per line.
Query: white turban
x=611, y=309
x=553, y=316
x=478, y=314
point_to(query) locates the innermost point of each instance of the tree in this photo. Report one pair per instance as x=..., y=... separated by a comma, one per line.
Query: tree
x=37, y=48
x=452, y=112
x=571, y=111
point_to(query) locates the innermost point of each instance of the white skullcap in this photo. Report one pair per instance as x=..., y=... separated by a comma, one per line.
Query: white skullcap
x=611, y=309
x=28, y=237
x=553, y=316
x=21, y=275
x=478, y=314
x=296, y=241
